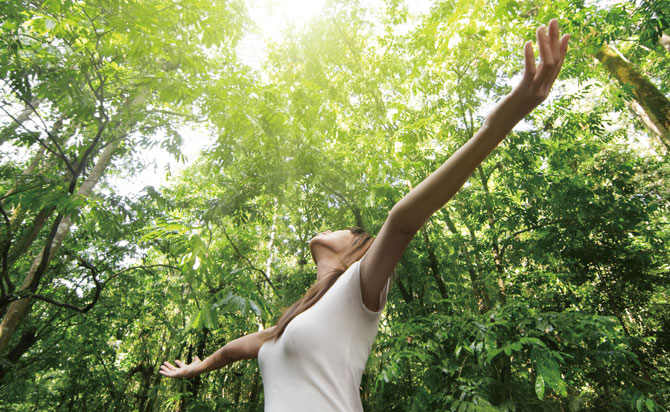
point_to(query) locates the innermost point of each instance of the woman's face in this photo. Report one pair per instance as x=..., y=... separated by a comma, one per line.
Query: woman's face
x=338, y=243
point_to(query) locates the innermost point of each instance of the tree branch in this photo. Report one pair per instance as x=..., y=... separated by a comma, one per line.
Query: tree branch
x=59, y=154
x=251, y=265
x=354, y=209
x=5, y=252
x=528, y=229
x=99, y=286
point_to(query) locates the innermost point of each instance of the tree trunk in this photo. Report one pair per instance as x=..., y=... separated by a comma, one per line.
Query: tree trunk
x=255, y=389
x=434, y=269
x=147, y=373
x=478, y=290
x=30, y=169
x=654, y=103
x=195, y=383
x=406, y=296
x=9, y=253
x=19, y=214
x=18, y=309
x=653, y=129
x=7, y=132
x=497, y=256
x=28, y=235
x=273, y=230
x=665, y=41
x=27, y=340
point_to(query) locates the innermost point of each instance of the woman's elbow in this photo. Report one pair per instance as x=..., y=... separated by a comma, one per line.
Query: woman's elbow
x=402, y=220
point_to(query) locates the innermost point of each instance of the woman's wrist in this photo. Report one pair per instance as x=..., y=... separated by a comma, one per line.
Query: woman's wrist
x=192, y=371
x=195, y=368
x=509, y=111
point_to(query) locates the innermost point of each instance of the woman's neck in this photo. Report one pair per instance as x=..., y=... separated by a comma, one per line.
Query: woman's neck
x=326, y=265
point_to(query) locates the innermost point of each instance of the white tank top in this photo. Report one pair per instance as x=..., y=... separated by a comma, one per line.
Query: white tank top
x=318, y=362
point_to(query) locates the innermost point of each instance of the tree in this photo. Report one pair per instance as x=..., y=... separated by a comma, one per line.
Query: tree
x=92, y=68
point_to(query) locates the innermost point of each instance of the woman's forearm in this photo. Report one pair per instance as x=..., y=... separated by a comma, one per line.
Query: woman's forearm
x=217, y=360
x=246, y=347
x=436, y=190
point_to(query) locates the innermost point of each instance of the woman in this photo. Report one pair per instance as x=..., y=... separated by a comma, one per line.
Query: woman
x=315, y=361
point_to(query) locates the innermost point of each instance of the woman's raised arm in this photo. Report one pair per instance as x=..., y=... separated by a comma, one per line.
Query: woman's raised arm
x=407, y=216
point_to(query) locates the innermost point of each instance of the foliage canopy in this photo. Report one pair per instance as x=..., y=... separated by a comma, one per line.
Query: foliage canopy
x=543, y=285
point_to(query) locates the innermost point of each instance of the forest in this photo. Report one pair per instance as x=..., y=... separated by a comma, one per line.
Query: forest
x=543, y=285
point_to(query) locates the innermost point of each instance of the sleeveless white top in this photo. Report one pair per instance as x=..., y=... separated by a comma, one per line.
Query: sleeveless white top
x=318, y=362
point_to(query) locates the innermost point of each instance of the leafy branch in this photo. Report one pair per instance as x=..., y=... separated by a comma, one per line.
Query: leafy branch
x=59, y=153
x=251, y=265
x=99, y=286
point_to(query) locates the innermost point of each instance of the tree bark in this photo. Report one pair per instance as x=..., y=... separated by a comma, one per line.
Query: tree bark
x=28, y=235
x=7, y=132
x=195, y=383
x=12, y=246
x=19, y=214
x=478, y=290
x=665, y=41
x=255, y=389
x=497, y=256
x=29, y=170
x=406, y=296
x=653, y=128
x=147, y=374
x=655, y=104
x=18, y=309
x=434, y=269
x=27, y=340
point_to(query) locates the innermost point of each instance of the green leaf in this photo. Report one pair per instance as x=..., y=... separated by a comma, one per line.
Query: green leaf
x=561, y=387
x=195, y=322
x=210, y=319
x=539, y=387
x=650, y=404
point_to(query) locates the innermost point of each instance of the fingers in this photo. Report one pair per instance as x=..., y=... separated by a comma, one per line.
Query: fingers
x=529, y=65
x=552, y=50
x=169, y=370
x=529, y=69
x=553, y=38
x=564, y=45
x=168, y=366
x=546, y=57
x=538, y=80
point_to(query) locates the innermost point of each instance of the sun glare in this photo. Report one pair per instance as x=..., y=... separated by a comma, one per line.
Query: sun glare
x=272, y=18
x=276, y=15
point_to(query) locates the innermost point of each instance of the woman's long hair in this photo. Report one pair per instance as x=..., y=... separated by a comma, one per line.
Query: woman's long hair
x=359, y=246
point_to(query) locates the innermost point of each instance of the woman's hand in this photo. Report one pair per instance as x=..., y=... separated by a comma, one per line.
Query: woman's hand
x=182, y=370
x=537, y=81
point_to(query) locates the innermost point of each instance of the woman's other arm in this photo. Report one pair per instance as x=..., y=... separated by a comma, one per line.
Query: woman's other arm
x=246, y=347
x=407, y=216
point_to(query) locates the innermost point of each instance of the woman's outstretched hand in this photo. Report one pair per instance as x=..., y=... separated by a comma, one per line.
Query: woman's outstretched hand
x=182, y=370
x=537, y=81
